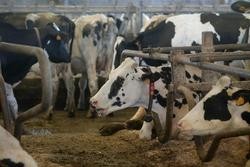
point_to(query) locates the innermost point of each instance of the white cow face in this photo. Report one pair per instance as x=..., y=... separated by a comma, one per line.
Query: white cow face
x=123, y=89
x=224, y=107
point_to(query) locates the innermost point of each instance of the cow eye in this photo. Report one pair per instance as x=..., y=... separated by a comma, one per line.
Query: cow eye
x=240, y=101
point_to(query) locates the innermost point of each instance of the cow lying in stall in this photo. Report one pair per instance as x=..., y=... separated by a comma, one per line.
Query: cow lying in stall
x=16, y=66
x=128, y=86
x=11, y=152
x=224, y=108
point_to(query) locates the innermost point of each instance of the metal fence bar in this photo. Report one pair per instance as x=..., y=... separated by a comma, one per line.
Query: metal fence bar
x=198, y=48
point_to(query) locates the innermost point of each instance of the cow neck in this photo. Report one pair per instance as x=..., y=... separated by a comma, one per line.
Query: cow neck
x=38, y=37
x=148, y=117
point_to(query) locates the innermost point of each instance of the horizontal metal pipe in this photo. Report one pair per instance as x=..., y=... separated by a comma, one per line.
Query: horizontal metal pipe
x=219, y=68
x=198, y=48
x=219, y=56
x=207, y=86
x=155, y=56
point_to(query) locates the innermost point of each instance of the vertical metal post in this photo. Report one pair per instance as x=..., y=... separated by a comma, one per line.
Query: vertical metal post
x=207, y=47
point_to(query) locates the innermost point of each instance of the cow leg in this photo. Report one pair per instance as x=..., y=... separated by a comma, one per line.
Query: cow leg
x=70, y=100
x=134, y=123
x=146, y=130
x=83, y=82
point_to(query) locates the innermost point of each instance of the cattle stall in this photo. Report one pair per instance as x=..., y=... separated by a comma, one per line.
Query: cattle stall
x=203, y=60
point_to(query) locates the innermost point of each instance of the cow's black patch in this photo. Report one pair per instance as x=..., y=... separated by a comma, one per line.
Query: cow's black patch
x=226, y=25
x=94, y=42
x=246, y=116
x=98, y=29
x=194, y=95
x=10, y=163
x=158, y=36
x=196, y=78
x=115, y=87
x=187, y=74
x=86, y=31
x=118, y=98
x=216, y=107
x=161, y=100
x=117, y=103
x=164, y=74
x=123, y=94
x=178, y=104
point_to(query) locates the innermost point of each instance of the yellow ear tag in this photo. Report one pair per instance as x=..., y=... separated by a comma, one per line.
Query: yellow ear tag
x=58, y=37
x=240, y=101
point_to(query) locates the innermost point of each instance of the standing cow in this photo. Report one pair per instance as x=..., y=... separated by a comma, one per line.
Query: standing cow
x=93, y=50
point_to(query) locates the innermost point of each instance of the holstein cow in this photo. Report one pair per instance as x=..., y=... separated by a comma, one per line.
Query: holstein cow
x=128, y=86
x=40, y=20
x=11, y=152
x=92, y=46
x=223, y=108
x=15, y=67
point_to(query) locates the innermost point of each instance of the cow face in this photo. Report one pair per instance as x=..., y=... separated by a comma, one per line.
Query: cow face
x=54, y=44
x=224, y=107
x=123, y=89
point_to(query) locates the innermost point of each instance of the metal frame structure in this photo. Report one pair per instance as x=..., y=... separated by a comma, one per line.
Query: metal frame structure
x=202, y=60
x=45, y=104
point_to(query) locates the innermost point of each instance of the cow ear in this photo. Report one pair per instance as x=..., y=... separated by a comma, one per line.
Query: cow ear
x=240, y=101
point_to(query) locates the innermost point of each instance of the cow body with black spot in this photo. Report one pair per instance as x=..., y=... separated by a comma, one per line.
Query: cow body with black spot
x=128, y=86
x=11, y=152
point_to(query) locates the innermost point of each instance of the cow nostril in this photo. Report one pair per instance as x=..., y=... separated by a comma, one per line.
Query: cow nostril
x=93, y=103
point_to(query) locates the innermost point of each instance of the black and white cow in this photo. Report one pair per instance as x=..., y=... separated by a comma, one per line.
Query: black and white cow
x=93, y=48
x=16, y=66
x=128, y=86
x=223, y=108
x=11, y=152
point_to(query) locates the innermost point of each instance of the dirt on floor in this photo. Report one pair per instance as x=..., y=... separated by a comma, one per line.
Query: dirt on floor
x=75, y=142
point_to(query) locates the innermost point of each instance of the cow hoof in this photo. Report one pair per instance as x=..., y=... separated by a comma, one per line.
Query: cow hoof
x=71, y=114
x=134, y=124
x=110, y=129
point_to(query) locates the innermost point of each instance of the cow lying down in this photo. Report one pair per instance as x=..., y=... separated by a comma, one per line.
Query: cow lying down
x=128, y=86
x=11, y=153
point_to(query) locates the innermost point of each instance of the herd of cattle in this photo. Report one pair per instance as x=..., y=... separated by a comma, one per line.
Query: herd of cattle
x=91, y=45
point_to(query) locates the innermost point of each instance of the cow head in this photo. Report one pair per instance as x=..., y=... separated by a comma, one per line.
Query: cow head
x=52, y=39
x=128, y=86
x=224, y=107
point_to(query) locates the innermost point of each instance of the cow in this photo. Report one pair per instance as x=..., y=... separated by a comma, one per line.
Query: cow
x=40, y=20
x=128, y=86
x=92, y=47
x=223, y=108
x=15, y=66
x=11, y=152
